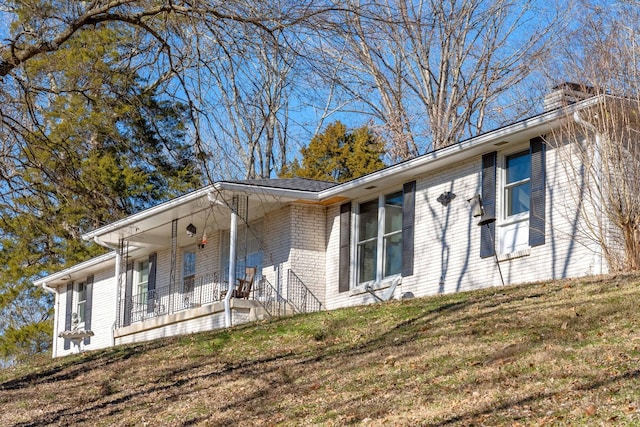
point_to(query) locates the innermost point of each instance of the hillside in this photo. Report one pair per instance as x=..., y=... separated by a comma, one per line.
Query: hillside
x=562, y=353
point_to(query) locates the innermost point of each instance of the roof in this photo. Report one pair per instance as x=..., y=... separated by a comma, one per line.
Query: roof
x=299, y=184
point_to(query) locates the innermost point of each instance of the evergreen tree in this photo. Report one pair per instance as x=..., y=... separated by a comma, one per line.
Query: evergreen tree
x=104, y=147
x=339, y=155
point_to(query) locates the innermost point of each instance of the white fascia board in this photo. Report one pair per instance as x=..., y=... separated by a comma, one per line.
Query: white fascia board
x=281, y=193
x=147, y=213
x=69, y=272
x=465, y=149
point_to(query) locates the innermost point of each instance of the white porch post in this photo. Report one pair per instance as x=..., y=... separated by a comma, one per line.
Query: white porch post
x=233, y=235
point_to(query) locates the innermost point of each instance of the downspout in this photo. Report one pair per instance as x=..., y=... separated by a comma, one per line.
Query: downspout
x=233, y=235
x=56, y=325
x=117, y=277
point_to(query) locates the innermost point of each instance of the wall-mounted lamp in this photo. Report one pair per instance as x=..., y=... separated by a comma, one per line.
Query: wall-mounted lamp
x=446, y=198
x=476, y=205
x=191, y=230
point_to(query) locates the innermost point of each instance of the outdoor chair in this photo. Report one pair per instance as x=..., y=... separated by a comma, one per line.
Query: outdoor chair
x=243, y=287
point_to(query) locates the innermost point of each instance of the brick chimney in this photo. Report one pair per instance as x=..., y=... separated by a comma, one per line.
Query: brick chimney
x=567, y=93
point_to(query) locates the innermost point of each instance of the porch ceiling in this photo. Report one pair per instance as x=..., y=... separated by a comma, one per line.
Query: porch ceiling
x=208, y=212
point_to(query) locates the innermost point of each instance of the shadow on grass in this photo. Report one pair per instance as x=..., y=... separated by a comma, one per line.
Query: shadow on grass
x=71, y=366
x=634, y=374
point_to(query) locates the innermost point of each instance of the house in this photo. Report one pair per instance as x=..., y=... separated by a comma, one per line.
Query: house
x=486, y=211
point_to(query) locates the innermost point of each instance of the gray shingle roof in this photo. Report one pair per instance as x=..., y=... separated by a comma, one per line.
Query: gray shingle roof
x=300, y=184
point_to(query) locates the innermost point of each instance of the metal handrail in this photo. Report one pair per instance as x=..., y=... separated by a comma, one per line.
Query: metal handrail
x=300, y=296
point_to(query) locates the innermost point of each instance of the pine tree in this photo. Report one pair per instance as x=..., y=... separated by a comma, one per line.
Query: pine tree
x=339, y=155
x=105, y=147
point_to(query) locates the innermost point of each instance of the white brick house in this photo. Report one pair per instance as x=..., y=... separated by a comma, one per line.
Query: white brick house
x=407, y=229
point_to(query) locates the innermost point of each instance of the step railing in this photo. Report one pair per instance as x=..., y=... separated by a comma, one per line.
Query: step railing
x=299, y=296
x=269, y=298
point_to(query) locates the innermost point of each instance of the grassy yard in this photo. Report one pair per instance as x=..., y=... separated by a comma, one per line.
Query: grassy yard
x=561, y=353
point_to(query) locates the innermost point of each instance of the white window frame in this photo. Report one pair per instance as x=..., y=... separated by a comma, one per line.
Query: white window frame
x=189, y=275
x=381, y=237
x=142, y=286
x=81, y=303
x=254, y=249
x=513, y=230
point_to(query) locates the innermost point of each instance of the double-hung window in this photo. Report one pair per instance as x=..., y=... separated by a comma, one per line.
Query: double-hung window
x=514, y=230
x=517, y=186
x=82, y=302
x=379, y=238
x=143, y=281
x=188, y=270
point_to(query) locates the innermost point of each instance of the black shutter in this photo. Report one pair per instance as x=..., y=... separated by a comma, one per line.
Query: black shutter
x=345, y=250
x=537, y=207
x=151, y=283
x=487, y=233
x=67, y=314
x=87, y=307
x=128, y=301
x=408, y=215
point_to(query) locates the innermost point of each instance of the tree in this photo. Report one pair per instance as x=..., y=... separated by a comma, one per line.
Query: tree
x=602, y=154
x=432, y=72
x=105, y=147
x=338, y=155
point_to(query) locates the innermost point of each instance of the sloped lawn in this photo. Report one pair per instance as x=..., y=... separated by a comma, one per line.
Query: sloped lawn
x=563, y=353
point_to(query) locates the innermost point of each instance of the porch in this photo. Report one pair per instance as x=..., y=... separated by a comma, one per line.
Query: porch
x=197, y=304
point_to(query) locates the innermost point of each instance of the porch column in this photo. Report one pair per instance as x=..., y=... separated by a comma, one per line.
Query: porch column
x=233, y=236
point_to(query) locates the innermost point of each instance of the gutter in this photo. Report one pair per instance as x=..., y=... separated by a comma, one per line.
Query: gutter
x=56, y=322
x=477, y=142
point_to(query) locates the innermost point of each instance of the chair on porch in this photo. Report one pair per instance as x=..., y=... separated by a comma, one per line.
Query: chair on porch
x=244, y=285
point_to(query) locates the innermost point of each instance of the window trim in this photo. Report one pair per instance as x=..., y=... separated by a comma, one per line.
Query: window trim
x=508, y=221
x=81, y=288
x=185, y=251
x=137, y=273
x=380, y=239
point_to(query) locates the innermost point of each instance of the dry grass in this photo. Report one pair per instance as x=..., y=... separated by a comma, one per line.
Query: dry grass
x=563, y=353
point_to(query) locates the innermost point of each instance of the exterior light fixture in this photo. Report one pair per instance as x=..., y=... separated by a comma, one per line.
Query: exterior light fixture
x=476, y=205
x=191, y=230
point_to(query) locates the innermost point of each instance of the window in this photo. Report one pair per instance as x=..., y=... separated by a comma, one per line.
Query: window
x=82, y=302
x=379, y=238
x=513, y=230
x=517, y=186
x=188, y=270
x=249, y=252
x=143, y=280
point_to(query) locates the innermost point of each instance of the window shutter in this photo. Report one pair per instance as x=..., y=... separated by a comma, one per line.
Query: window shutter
x=487, y=233
x=87, y=307
x=67, y=314
x=151, y=283
x=537, y=207
x=408, y=218
x=128, y=302
x=345, y=250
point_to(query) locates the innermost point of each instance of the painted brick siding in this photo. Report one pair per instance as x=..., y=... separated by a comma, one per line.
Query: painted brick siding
x=447, y=238
x=277, y=246
x=308, y=249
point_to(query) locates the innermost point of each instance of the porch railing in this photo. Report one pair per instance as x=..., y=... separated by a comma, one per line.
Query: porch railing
x=190, y=293
x=208, y=288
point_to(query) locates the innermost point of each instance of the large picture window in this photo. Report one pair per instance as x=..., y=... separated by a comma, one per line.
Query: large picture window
x=379, y=238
